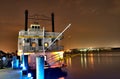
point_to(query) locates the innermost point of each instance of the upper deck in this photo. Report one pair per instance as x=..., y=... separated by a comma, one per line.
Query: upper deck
x=35, y=31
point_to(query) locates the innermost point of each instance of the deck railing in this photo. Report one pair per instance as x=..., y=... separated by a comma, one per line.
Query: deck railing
x=40, y=48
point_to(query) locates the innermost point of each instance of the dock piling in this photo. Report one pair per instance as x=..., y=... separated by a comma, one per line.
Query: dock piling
x=40, y=67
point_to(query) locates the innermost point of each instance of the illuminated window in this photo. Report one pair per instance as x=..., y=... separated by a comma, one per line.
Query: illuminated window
x=34, y=44
x=46, y=44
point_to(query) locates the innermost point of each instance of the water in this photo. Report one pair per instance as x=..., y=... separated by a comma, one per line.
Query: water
x=99, y=66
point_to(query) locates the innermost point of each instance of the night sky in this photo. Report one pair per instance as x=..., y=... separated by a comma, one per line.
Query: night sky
x=95, y=23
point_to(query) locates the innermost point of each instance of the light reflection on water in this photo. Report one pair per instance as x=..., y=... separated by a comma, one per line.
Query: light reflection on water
x=68, y=61
x=94, y=66
x=61, y=78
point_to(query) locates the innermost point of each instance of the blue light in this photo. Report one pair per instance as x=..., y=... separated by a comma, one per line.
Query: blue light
x=15, y=64
x=24, y=64
x=21, y=65
x=29, y=75
x=24, y=68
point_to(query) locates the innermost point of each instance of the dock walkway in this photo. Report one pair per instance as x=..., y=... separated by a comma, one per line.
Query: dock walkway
x=9, y=73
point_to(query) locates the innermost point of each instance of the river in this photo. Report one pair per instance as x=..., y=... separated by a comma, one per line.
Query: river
x=99, y=66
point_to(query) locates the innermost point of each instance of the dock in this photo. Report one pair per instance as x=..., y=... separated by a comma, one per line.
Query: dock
x=9, y=73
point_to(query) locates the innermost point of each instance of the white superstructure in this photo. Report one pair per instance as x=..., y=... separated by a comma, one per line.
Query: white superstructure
x=31, y=41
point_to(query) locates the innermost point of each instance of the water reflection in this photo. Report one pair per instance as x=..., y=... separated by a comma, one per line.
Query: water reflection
x=55, y=73
x=51, y=73
x=61, y=78
x=90, y=60
x=93, y=66
x=68, y=61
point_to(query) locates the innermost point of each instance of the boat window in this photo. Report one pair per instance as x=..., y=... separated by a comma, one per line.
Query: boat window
x=32, y=26
x=40, y=42
x=35, y=27
x=34, y=44
x=28, y=40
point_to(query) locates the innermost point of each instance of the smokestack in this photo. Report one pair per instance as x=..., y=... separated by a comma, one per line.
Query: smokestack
x=52, y=16
x=26, y=20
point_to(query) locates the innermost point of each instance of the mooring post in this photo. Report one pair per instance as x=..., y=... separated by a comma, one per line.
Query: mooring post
x=25, y=65
x=40, y=67
x=26, y=61
x=15, y=62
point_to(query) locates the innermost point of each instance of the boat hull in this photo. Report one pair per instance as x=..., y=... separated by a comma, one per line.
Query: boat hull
x=52, y=59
